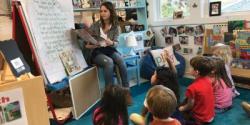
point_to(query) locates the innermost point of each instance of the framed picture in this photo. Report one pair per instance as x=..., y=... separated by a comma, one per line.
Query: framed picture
x=215, y=8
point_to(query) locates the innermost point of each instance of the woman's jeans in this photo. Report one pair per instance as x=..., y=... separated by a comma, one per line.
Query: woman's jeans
x=107, y=63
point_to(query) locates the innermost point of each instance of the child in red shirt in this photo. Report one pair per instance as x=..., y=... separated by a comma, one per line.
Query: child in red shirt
x=199, y=104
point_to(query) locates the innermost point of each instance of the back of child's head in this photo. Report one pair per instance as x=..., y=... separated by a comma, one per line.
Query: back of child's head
x=168, y=78
x=202, y=64
x=223, y=51
x=220, y=72
x=161, y=101
x=113, y=104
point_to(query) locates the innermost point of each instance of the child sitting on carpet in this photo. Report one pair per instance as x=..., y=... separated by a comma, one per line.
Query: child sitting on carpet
x=222, y=86
x=167, y=77
x=224, y=52
x=161, y=103
x=113, y=107
x=199, y=103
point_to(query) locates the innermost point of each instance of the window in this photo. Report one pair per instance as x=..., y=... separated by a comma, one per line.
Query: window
x=228, y=6
x=168, y=7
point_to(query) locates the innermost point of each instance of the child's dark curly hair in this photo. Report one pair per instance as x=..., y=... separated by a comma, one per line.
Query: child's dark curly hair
x=202, y=64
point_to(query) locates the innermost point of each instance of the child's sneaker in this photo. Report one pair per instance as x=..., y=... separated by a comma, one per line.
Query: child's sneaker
x=236, y=93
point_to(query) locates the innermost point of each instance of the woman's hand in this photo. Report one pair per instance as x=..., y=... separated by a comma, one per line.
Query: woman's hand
x=91, y=46
x=109, y=42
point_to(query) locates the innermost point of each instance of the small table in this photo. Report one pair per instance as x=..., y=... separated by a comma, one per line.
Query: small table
x=133, y=63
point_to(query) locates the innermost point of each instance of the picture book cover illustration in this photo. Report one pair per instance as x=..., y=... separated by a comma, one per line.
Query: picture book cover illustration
x=88, y=36
x=12, y=109
x=70, y=62
x=158, y=58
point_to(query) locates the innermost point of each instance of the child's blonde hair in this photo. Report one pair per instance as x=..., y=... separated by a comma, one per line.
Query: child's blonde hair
x=224, y=52
x=161, y=101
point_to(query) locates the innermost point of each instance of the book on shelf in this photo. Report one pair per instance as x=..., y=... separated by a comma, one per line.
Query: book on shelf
x=240, y=63
x=236, y=25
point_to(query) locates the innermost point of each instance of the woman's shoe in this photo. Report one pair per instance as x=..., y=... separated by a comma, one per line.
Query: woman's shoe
x=246, y=107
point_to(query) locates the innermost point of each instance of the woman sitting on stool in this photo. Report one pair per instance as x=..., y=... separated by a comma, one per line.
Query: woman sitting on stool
x=105, y=54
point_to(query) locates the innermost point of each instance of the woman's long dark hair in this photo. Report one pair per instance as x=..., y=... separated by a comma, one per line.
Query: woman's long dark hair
x=221, y=72
x=113, y=16
x=113, y=106
x=168, y=78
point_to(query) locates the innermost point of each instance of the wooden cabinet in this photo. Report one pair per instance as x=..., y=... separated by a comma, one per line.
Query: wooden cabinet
x=240, y=72
x=241, y=77
x=32, y=94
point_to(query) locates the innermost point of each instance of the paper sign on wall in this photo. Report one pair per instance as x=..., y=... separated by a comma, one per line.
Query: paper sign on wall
x=12, y=109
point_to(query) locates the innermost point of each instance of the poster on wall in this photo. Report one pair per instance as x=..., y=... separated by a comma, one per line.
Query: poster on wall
x=12, y=109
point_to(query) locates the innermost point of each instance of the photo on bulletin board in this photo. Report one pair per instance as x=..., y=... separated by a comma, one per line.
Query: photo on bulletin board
x=189, y=31
x=199, y=30
x=215, y=8
x=177, y=47
x=164, y=31
x=198, y=40
x=169, y=40
x=77, y=3
x=187, y=50
x=172, y=31
x=183, y=40
x=199, y=51
x=181, y=29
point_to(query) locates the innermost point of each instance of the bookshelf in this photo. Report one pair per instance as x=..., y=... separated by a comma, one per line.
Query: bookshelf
x=140, y=6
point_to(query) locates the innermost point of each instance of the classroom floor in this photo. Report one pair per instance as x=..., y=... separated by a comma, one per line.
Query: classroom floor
x=235, y=116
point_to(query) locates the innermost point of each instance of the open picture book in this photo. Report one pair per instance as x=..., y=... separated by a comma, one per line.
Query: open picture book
x=87, y=36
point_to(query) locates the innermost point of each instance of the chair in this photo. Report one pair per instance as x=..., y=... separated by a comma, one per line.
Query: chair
x=116, y=76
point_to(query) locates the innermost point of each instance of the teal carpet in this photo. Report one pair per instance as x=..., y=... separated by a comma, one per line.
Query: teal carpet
x=235, y=116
